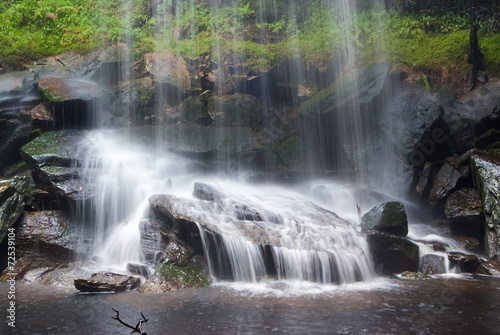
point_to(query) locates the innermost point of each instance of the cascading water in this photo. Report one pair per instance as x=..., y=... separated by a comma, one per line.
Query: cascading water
x=291, y=232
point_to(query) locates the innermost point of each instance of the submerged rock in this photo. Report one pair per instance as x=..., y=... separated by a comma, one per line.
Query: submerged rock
x=107, y=282
x=388, y=217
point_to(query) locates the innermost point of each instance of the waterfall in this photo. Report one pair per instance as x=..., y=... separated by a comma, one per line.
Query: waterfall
x=299, y=232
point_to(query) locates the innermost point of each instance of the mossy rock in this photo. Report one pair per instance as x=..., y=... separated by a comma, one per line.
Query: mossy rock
x=170, y=277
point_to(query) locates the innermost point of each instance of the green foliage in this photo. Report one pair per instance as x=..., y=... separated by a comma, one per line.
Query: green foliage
x=420, y=34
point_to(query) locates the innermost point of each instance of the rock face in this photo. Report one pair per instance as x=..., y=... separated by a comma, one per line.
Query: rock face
x=444, y=182
x=11, y=203
x=168, y=68
x=54, y=159
x=465, y=263
x=107, y=282
x=489, y=268
x=170, y=277
x=486, y=171
x=464, y=211
x=48, y=236
x=388, y=217
x=393, y=254
x=433, y=264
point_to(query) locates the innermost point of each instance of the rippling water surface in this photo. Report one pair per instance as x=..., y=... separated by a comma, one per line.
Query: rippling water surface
x=445, y=305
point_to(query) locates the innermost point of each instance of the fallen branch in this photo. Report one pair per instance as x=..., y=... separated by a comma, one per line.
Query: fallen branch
x=138, y=326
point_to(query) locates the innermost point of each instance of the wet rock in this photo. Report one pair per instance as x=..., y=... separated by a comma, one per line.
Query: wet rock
x=464, y=211
x=444, y=182
x=34, y=275
x=485, y=167
x=133, y=100
x=388, y=217
x=469, y=243
x=107, y=282
x=154, y=239
x=54, y=159
x=70, y=101
x=48, y=236
x=41, y=117
x=14, y=133
x=168, y=68
x=465, y=263
x=413, y=275
x=237, y=110
x=22, y=266
x=423, y=180
x=433, y=264
x=207, y=192
x=170, y=277
x=178, y=253
x=393, y=254
x=192, y=110
x=12, y=196
x=489, y=268
x=140, y=269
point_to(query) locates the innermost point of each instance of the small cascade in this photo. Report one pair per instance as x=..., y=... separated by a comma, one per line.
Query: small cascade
x=432, y=242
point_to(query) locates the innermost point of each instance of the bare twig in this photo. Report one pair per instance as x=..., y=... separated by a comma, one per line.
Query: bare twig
x=138, y=326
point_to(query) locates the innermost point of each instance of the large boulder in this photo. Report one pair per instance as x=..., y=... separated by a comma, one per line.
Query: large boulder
x=464, y=211
x=71, y=101
x=168, y=68
x=49, y=237
x=106, y=282
x=486, y=173
x=389, y=217
x=393, y=254
x=237, y=110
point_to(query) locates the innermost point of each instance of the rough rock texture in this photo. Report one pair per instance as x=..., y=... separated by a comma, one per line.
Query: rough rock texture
x=394, y=254
x=168, y=68
x=433, y=264
x=465, y=263
x=464, y=211
x=54, y=159
x=388, y=217
x=22, y=266
x=206, y=192
x=48, y=237
x=444, y=182
x=107, y=282
x=486, y=173
x=170, y=277
x=133, y=100
x=11, y=203
x=489, y=268
x=237, y=110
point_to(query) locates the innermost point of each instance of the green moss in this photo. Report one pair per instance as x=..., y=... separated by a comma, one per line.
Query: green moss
x=47, y=143
x=424, y=82
x=189, y=276
x=490, y=47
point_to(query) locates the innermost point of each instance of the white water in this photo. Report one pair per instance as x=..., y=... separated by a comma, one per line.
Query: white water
x=307, y=241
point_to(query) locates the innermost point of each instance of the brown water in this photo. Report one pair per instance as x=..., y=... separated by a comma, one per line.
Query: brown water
x=390, y=306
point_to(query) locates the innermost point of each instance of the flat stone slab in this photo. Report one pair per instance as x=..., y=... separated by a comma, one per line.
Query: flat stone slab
x=63, y=89
x=107, y=282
